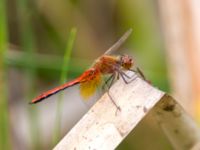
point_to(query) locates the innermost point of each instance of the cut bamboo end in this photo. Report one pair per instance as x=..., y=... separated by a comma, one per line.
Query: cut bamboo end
x=102, y=128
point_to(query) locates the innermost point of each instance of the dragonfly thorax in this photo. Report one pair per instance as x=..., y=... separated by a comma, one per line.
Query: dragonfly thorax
x=108, y=64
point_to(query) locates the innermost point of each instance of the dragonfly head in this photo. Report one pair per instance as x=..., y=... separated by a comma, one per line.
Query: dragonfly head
x=126, y=61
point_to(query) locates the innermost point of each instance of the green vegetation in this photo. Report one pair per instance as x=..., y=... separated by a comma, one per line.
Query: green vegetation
x=38, y=51
x=4, y=119
x=63, y=78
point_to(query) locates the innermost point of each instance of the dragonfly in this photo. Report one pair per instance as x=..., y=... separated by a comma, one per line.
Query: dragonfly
x=92, y=78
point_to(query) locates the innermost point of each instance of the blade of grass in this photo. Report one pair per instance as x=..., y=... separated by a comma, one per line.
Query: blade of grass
x=63, y=77
x=29, y=47
x=44, y=61
x=4, y=121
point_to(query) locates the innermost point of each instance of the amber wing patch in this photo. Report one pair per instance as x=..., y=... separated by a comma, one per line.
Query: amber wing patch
x=89, y=87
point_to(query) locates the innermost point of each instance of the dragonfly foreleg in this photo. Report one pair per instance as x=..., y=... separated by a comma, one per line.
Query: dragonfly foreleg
x=124, y=75
x=138, y=71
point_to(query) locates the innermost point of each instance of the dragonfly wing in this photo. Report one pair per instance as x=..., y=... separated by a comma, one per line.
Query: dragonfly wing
x=119, y=42
x=89, y=87
x=55, y=90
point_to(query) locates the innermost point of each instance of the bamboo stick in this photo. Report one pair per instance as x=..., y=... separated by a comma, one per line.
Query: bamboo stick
x=103, y=128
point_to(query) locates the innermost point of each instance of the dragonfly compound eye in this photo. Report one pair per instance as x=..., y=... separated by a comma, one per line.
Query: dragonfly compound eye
x=126, y=61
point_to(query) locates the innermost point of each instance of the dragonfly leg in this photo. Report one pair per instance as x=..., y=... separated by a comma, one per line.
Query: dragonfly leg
x=111, y=79
x=123, y=75
x=113, y=101
x=138, y=71
x=106, y=82
x=117, y=76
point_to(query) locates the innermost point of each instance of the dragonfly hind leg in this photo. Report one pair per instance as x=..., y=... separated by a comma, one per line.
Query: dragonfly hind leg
x=113, y=101
x=111, y=78
x=108, y=86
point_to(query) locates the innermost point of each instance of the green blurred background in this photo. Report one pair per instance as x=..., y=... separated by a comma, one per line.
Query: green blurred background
x=45, y=42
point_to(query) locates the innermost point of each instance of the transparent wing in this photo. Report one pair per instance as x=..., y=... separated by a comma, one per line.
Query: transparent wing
x=117, y=45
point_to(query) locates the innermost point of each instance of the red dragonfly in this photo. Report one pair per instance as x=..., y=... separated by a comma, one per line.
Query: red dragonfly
x=92, y=78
